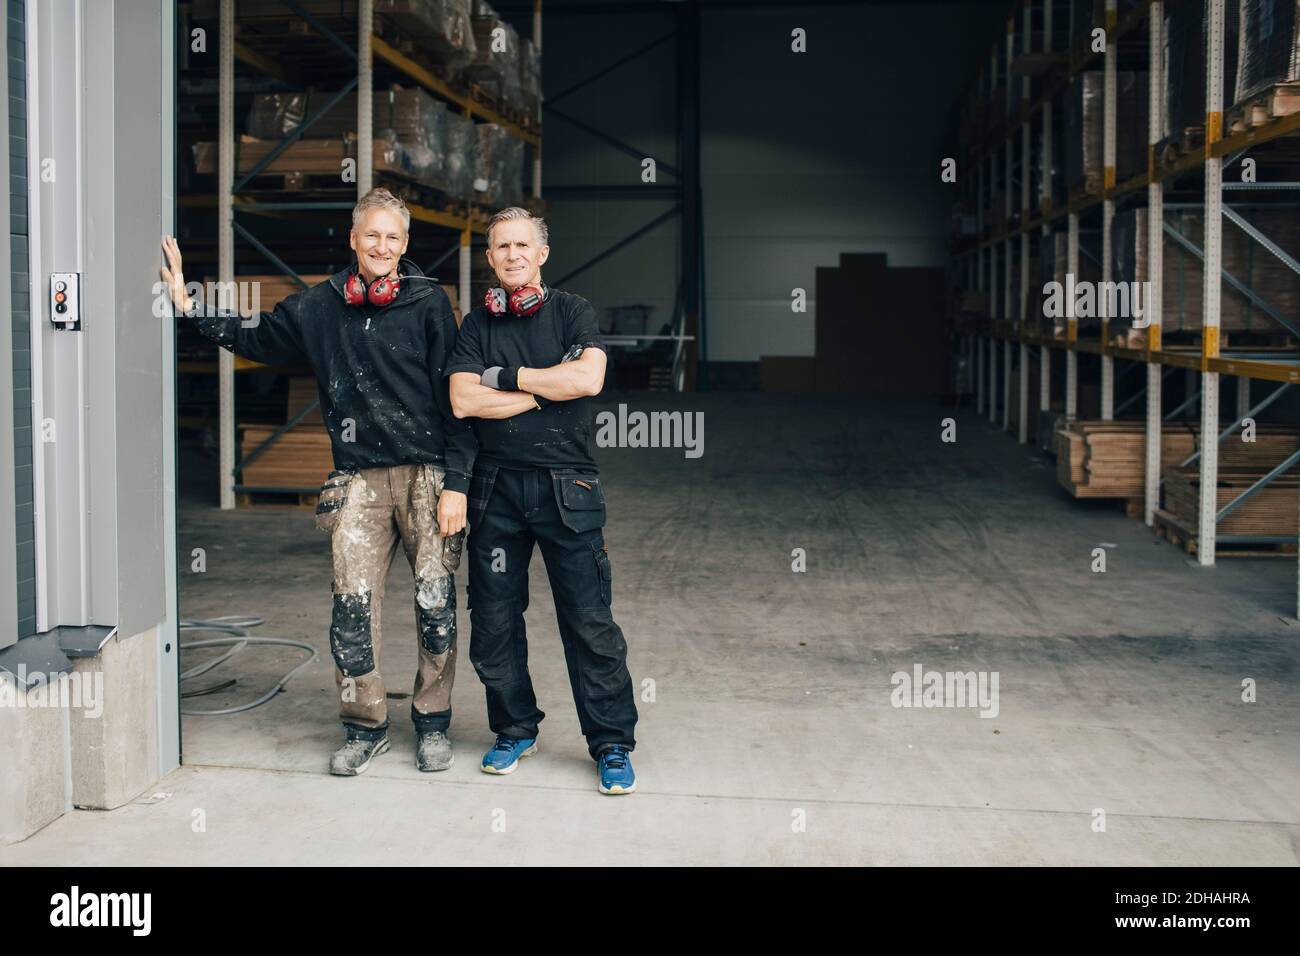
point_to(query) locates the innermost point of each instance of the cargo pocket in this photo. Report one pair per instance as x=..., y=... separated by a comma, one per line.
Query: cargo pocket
x=581, y=500
x=333, y=496
x=453, y=548
x=606, y=576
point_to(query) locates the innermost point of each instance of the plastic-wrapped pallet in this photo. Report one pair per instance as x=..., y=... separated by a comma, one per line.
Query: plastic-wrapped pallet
x=1132, y=127
x=499, y=179
x=1057, y=256
x=495, y=67
x=438, y=28
x=530, y=79
x=1085, y=128
x=1045, y=263
x=512, y=180
x=418, y=123
x=452, y=44
x=1083, y=132
x=461, y=162
x=1185, y=41
x=511, y=93
x=410, y=117
x=1260, y=270
x=1183, y=286
x=276, y=115
x=1054, y=178
x=1269, y=51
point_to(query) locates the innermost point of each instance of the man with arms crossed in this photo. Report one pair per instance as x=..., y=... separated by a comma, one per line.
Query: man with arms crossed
x=377, y=335
x=525, y=364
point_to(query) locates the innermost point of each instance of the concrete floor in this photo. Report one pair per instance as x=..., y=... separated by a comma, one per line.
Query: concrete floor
x=771, y=690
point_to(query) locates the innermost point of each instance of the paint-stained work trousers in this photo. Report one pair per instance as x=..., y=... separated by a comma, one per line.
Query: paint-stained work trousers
x=367, y=513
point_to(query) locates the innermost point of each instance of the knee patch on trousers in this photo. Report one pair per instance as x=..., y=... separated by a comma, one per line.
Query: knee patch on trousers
x=490, y=648
x=435, y=613
x=350, y=642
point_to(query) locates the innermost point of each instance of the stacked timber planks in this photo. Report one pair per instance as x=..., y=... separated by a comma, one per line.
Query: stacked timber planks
x=256, y=293
x=1269, y=511
x=1100, y=459
x=300, y=458
x=306, y=157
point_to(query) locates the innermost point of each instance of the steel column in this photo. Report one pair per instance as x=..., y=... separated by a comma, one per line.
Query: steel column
x=1155, y=268
x=1206, y=526
x=226, y=245
x=365, y=98
x=1071, y=322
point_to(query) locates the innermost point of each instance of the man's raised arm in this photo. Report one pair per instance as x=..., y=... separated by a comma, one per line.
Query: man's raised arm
x=268, y=337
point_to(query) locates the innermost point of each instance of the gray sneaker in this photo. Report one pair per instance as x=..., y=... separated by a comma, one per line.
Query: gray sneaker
x=355, y=756
x=433, y=750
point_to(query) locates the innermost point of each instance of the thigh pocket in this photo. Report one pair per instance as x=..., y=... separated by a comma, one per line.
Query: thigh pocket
x=581, y=500
x=333, y=496
x=453, y=548
x=606, y=576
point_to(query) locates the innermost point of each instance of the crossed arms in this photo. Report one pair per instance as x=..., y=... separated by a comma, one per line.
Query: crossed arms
x=585, y=376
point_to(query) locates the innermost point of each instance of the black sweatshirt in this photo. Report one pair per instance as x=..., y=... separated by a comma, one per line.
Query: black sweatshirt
x=558, y=434
x=382, y=368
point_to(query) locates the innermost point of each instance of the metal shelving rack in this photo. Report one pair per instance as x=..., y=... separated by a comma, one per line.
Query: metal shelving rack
x=369, y=45
x=978, y=259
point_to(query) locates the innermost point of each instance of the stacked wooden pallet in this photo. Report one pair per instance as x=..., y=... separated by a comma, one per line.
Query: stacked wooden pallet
x=306, y=157
x=1183, y=276
x=302, y=390
x=300, y=458
x=1270, y=511
x=1098, y=459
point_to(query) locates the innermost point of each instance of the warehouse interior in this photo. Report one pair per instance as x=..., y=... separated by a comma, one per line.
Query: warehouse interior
x=830, y=231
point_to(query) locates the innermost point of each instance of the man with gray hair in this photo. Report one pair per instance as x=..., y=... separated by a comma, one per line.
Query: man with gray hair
x=526, y=363
x=378, y=336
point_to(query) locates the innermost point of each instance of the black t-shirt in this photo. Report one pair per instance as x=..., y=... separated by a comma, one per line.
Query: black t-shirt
x=558, y=434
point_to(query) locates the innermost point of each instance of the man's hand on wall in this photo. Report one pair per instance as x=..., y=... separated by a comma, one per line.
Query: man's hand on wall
x=172, y=275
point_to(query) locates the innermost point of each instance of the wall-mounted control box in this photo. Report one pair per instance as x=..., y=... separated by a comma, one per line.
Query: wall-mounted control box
x=65, y=300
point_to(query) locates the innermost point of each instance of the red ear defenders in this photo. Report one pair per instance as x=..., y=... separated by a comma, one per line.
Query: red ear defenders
x=525, y=300
x=381, y=292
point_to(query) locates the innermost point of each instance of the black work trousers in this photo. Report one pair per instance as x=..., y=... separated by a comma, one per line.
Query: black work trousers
x=564, y=512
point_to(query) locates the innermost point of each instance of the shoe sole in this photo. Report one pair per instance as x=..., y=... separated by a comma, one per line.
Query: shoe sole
x=435, y=769
x=381, y=749
x=616, y=790
x=510, y=769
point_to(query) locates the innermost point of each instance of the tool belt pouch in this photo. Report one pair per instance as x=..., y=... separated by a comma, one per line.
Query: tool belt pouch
x=333, y=496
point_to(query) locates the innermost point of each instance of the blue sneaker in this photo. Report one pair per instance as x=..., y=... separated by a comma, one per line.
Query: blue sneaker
x=505, y=753
x=616, y=774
